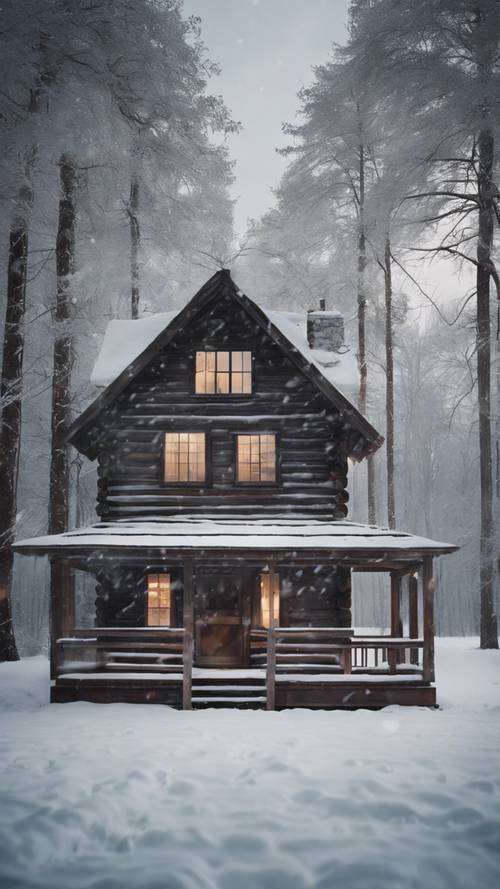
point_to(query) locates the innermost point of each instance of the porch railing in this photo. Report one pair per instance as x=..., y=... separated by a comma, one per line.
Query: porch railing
x=117, y=650
x=280, y=651
x=328, y=650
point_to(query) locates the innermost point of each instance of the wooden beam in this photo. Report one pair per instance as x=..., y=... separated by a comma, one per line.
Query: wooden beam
x=396, y=629
x=413, y=615
x=187, y=651
x=271, y=669
x=428, y=609
x=62, y=608
x=271, y=645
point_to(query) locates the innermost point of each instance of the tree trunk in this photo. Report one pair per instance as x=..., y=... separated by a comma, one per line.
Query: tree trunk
x=488, y=618
x=63, y=351
x=389, y=386
x=135, y=241
x=363, y=367
x=11, y=382
x=10, y=397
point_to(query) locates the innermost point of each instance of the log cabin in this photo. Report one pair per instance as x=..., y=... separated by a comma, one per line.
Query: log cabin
x=221, y=562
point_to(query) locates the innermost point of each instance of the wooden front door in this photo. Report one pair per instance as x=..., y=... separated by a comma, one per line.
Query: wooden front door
x=222, y=619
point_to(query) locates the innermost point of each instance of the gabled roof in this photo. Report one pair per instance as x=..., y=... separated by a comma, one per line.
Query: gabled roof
x=154, y=334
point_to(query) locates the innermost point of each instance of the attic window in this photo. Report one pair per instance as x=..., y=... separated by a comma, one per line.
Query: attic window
x=159, y=600
x=256, y=460
x=223, y=373
x=184, y=457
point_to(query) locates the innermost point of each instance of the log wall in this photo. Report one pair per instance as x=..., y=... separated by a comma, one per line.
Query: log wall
x=312, y=437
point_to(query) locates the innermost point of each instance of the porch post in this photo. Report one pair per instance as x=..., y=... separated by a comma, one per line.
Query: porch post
x=187, y=646
x=271, y=645
x=413, y=615
x=62, y=608
x=428, y=609
x=394, y=654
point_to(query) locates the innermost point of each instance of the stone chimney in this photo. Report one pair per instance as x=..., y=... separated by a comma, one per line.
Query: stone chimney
x=325, y=329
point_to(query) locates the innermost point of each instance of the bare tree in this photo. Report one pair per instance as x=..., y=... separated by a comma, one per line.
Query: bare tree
x=441, y=63
x=11, y=382
x=63, y=349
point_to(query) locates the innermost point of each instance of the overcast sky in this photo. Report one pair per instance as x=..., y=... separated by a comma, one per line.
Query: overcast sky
x=266, y=49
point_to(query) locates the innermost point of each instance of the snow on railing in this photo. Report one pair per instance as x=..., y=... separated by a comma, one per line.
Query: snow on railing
x=286, y=653
x=149, y=651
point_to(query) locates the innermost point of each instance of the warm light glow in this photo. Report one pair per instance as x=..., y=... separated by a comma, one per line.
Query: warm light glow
x=184, y=456
x=256, y=458
x=269, y=582
x=222, y=373
x=159, y=600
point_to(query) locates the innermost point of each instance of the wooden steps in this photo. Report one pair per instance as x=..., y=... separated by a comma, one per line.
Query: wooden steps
x=241, y=693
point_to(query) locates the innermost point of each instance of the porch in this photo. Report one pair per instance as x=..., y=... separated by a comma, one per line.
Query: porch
x=296, y=656
x=312, y=667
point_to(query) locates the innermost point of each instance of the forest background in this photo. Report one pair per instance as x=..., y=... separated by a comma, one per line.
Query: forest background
x=118, y=196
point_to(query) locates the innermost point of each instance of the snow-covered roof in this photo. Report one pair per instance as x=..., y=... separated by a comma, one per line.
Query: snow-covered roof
x=124, y=341
x=198, y=534
x=129, y=346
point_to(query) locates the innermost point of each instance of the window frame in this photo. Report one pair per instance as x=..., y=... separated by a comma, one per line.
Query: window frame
x=260, y=484
x=200, y=485
x=169, y=608
x=232, y=395
x=276, y=596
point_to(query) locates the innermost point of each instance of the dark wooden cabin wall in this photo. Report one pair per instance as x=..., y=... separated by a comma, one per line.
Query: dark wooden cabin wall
x=316, y=597
x=310, y=433
x=313, y=597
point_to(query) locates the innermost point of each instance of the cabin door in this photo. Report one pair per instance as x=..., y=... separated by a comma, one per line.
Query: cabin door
x=222, y=619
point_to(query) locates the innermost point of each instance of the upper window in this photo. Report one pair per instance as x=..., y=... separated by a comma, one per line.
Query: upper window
x=223, y=373
x=159, y=600
x=256, y=458
x=184, y=457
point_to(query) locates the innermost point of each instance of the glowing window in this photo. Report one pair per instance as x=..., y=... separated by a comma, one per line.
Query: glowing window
x=256, y=460
x=269, y=592
x=159, y=600
x=223, y=373
x=184, y=456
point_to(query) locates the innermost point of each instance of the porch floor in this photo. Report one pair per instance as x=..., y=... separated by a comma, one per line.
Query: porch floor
x=202, y=673
x=246, y=689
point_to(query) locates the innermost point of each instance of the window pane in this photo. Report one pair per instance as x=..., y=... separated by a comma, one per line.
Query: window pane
x=236, y=382
x=164, y=617
x=268, y=583
x=222, y=383
x=256, y=458
x=267, y=458
x=171, y=456
x=222, y=361
x=200, y=381
x=158, y=600
x=243, y=447
x=210, y=372
x=185, y=456
x=241, y=372
x=197, y=452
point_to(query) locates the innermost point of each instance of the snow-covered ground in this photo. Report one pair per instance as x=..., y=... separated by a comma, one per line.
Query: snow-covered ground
x=119, y=796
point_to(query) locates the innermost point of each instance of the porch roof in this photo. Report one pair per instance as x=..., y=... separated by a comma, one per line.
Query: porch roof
x=200, y=535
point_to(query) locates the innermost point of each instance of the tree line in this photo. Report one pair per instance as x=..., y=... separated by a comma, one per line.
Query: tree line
x=106, y=126
x=114, y=187
x=391, y=166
